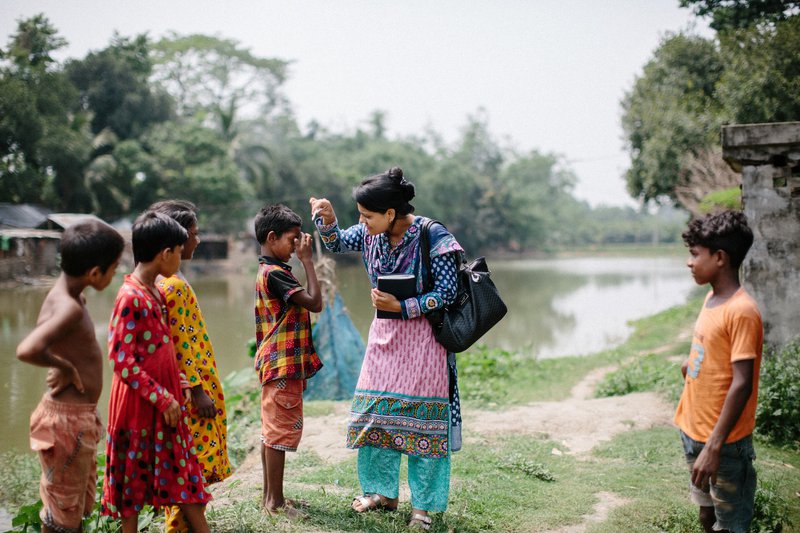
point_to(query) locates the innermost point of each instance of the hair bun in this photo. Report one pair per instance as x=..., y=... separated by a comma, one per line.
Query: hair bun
x=395, y=174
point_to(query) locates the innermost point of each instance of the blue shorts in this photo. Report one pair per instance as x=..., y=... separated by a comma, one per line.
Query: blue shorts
x=733, y=495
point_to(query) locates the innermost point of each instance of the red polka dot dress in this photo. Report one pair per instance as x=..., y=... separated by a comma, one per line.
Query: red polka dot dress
x=147, y=461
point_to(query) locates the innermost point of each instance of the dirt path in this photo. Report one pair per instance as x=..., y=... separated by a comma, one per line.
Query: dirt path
x=579, y=423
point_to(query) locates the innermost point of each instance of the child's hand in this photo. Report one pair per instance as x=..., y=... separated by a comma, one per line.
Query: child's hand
x=302, y=247
x=321, y=207
x=173, y=413
x=59, y=378
x=203, y=404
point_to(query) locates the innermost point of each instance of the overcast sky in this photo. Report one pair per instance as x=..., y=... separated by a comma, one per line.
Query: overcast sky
x=549, y=73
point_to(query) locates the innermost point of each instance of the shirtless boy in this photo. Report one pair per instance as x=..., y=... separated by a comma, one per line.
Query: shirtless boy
x=65, y=427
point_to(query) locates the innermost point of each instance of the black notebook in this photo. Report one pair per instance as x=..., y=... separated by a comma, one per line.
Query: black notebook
x=401, y=286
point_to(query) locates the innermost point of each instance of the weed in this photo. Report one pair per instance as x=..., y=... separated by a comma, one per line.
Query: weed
x=652, y=372
x=20, y=478
x=519, y=463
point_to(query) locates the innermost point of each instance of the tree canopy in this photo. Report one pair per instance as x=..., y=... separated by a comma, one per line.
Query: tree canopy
x=748, y=73
x=739, y=14
x=205, y=119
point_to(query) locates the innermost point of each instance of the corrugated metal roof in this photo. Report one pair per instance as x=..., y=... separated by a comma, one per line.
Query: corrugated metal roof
x=22, y=215
x=29, y=234
x=65, y=220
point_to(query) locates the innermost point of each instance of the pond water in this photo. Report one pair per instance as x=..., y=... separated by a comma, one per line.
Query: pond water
x=556, y=308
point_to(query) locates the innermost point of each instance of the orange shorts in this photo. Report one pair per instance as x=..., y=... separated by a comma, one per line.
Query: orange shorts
x=282, y=414
x=66, y=435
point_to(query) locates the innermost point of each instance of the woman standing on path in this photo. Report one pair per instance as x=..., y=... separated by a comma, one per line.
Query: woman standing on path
x=402, y=403
x=206, y=404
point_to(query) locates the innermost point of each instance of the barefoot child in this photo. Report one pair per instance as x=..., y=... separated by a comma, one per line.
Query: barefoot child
x=716, y=413
x=206, y=404
x=285, y=355
x=150, y=458
x=65, y=427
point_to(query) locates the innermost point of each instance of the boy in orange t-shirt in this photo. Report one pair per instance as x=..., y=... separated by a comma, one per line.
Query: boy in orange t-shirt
x=716, y=412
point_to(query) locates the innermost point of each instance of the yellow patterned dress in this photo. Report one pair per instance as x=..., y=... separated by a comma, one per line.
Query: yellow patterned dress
x=196, y=361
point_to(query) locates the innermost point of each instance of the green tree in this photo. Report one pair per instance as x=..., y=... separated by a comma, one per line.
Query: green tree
x=671, y=111
x=115, y=91
x=44, y=138
x=114, y=87
x=188, y=160
x=761, y=82
x=29, y=49
x=737, y=14
x=214, y=79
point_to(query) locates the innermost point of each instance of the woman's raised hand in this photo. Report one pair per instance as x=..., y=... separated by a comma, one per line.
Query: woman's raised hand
x=321, y=207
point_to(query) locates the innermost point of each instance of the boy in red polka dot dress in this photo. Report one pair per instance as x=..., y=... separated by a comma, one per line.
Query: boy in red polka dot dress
x=150, y=458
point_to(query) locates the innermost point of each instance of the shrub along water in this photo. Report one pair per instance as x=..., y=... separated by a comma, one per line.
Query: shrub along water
x=778, y=414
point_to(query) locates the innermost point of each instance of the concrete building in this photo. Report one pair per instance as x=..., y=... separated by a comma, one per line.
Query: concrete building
x=768, y=157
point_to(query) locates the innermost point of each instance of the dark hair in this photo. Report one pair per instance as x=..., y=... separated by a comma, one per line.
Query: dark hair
x=183, y=211
x=277, y=218
x=382, y=192
x=154, y=232
x=89, y=244
x=727, y=231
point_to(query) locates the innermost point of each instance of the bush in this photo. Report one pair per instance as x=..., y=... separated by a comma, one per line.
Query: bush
x=771, y=511
x=778, y=413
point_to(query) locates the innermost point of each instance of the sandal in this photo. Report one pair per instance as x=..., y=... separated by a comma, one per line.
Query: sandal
x=420, y=521
x=372, y=502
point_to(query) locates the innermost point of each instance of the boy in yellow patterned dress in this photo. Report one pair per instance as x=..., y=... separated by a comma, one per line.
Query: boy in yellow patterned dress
x=205, y=399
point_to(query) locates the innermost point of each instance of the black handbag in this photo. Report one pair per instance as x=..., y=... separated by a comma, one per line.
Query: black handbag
x=477, y=307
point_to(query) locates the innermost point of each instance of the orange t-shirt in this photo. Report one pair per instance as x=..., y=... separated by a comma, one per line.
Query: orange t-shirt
x=729, y=332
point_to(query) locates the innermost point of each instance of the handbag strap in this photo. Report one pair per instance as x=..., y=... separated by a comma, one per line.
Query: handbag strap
x=425, y=244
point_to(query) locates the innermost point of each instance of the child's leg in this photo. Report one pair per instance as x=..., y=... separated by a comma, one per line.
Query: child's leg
x=265, y=480
x=274, y=461
x=130, y=523
x=195, y=514
x=707, y=518
x=273, y=499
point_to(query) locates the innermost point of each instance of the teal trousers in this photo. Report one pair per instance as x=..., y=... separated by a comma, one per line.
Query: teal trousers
x=428, y=479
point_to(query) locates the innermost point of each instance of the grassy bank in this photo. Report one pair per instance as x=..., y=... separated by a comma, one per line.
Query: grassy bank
x=512, y=482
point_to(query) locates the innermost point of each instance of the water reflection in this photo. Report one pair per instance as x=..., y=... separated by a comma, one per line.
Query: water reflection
x=556, y=308
x=581, y=306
